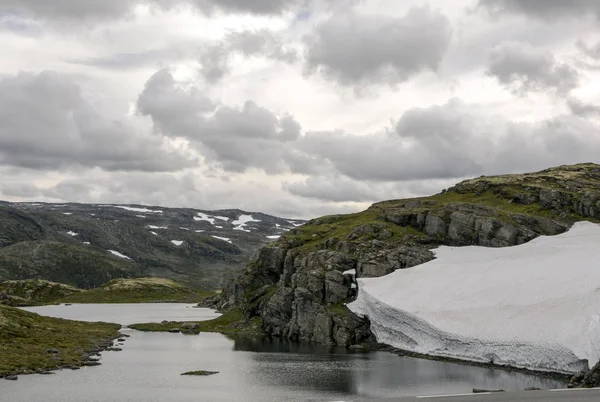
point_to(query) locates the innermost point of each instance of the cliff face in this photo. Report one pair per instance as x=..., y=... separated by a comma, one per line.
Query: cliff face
x=298, y=285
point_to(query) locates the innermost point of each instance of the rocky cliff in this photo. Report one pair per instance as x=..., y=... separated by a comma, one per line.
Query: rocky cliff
x=299, y=285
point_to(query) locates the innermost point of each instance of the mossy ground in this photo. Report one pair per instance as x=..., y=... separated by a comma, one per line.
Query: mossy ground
x=141, y=290
x=26, y=337
x=200, y=373
x=231, y=323
x=34, y=292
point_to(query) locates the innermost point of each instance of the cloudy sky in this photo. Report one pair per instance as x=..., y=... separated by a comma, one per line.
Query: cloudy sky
x=297, y=108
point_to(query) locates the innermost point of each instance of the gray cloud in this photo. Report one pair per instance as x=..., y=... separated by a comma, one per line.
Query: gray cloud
x=580, y=108
x=589, y=57
x=76, y=10
x=237, y=138
x=522, y=67
x=215, y=57
x=354, y=49
x=547, y=9
x=455, y=140
x=440, y=142
x=47, y=124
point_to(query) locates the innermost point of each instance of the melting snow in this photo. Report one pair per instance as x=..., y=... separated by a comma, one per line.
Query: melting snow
x=223, y=218
x=67, y=213
x=274, y=237
x=87, y=243
x=219, y=227
x=296, y=224
x=157, y=227
x=183, y=228
x=177, y=242
x=71, y=233
x=533, y=305
x=154, y=233
x=350, y=272
x=199, y=231
x=113, y=252
x=241, y=222
x=204, y=217
x=140, y=216
x=145, y=210
x=223, y=238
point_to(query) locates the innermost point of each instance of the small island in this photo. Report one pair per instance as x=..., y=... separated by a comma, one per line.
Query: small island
x=200, y=373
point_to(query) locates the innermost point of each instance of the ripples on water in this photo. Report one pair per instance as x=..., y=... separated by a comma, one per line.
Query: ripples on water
x=149, y=367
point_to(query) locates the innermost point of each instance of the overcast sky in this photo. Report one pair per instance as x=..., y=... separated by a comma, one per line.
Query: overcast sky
x=296, y=108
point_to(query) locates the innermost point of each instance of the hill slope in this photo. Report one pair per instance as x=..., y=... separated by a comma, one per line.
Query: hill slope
x=86, y=245
x=298, y=286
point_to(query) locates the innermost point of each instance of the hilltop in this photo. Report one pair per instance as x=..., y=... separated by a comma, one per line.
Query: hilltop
x=299, y=285
x=87, y=245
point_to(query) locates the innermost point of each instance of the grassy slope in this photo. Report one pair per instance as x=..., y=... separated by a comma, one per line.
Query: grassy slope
x=35, y=292
x=25, y=338
x=495, y=192
x=232, y=322
x=142, y=290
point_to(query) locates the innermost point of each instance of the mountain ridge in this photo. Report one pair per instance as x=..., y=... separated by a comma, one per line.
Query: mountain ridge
x=87, y=245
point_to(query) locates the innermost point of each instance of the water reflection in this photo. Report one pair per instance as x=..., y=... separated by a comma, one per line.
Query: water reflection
x=149, y=367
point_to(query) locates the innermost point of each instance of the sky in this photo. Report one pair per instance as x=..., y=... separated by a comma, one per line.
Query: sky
x=297, y=108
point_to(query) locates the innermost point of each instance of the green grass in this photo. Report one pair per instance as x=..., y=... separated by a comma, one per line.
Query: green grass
x=25, y=338
x=142, y=290
x=313, y=235
x=200, y=373
x=339, y=309
x=35, y=292
x=232, y=323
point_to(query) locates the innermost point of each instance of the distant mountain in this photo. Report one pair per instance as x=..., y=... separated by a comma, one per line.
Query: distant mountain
x=86, y=245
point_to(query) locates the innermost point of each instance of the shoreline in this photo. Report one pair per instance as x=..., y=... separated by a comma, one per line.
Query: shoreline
x=554, y=375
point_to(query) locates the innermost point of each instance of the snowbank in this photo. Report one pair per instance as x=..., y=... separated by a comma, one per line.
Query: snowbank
x=535, y=305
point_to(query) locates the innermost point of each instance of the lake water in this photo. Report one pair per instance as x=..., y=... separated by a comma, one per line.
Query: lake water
x=149, y=367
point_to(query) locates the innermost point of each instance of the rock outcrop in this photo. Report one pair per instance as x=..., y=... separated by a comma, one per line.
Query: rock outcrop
x=299, y=285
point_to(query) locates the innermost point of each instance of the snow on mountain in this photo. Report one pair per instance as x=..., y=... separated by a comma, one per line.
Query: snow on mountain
x=72, y=234
x=141, y=210
x=533, y=305
x=116, y=253
x=223, y=238
x=204, y=217
x=177, y=242
x=240, y=223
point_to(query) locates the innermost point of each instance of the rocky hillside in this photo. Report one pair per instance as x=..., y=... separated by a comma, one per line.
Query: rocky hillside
x=298, y=286
x=33, y=291
x=86, y=245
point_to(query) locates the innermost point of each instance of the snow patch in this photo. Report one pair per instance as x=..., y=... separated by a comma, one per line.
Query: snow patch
x=87, y=243
x=143, y=210
x=157, y=227
x=223, y=218
x=274, y=237
x=204, y=217
x=219, y=227
x=295, y=224
x=533, y=305
x=241, y=222
x=183, y=228
x=116, y=253
x=73, y=234
x=154, y=233
x=350, y=272
x=199, y=231
x=177, y=242
x=223, y=238
x=67, y=213
x=140, y=216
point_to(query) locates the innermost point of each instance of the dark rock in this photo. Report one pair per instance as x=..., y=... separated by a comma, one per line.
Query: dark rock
x=53, y=351
x=114, y=349
x=45, y=372
x=11, y=378
x=482, y=391
x=121, y=339
x=532, y=389
x=190, y=326
x=91, y=363
x=174, y=330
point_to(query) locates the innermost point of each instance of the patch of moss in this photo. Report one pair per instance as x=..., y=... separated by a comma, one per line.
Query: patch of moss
x=339, y=309
x=35, y=292
x=200, y=373
x=313, y=235
x=233, y=322
x=26, y=337
x=140, y=290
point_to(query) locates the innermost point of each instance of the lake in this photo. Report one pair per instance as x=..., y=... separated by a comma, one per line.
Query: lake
x=149, y=367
